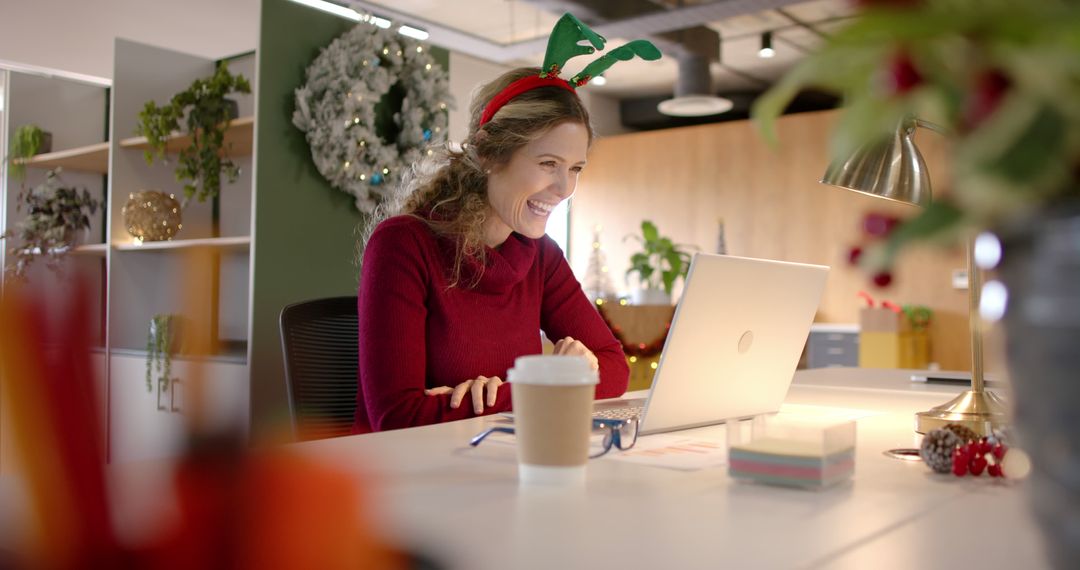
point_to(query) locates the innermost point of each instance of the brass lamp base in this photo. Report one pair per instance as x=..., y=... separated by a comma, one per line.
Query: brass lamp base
x=979, y=410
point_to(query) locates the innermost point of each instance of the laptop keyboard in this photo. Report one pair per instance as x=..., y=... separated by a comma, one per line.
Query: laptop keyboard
x=619, y=413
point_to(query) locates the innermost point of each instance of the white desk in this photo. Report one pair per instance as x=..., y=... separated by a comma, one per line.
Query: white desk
x=464, y=506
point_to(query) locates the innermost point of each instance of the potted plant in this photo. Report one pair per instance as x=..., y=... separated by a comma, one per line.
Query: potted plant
x=1002, y=81
x=205, y=113
x=160, y=345
x=28, y=141
x=658, y=265
x=55, y=216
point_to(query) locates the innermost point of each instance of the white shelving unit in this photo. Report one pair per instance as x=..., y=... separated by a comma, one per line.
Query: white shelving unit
x=152, y=278
x=135, y=281
x=74, y=112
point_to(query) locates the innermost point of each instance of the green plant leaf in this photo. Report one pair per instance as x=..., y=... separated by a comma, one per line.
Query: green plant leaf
x=649, y=231
x=1040, y=143
x=933, y=221
x=669, y=280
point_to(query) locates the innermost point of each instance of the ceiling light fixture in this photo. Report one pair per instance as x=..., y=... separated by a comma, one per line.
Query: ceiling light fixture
x=766, y=50
x=598, y=80
x=411, y=32
x=693, y=91
x=330, y=7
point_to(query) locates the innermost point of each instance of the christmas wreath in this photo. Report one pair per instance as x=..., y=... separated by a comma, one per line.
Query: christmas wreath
x=358, y=145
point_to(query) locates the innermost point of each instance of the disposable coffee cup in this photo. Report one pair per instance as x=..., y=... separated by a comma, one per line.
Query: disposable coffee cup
x=553, y=397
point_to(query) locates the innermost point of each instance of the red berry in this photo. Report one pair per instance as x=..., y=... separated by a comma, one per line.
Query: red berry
x=984, y=446
x=998, y=451
x=995, y=470
x=883, y=279
x=879, y=225
x=902, y=74
x=978, y=464
x=990, y=89
x=960, y=456
x=959, y=468
x=854, y=254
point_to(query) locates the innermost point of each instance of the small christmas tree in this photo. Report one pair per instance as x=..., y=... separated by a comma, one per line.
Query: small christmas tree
x=598, y=283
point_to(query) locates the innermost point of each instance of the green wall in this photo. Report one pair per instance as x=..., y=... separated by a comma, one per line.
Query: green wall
x=303, y=229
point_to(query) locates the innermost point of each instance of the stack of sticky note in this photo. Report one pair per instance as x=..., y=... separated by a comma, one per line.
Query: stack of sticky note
x=811, y=454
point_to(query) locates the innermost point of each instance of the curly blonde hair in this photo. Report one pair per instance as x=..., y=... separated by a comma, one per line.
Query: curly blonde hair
x=448, y=189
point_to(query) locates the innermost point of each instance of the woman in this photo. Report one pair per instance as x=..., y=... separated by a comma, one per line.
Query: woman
x=460, y=284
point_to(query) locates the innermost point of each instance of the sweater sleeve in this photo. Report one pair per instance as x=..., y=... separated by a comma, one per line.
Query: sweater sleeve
x=392, y=313
x=566, y=311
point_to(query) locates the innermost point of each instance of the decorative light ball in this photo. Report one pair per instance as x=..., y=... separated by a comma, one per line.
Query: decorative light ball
x=152, y=216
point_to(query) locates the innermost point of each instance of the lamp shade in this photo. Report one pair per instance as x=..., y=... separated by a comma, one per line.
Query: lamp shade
x=891, y=169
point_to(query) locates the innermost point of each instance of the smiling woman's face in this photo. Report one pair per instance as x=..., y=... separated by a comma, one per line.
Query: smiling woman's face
x=539, y=175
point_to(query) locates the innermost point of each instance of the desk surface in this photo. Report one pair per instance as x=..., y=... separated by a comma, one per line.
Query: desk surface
x=465, y=507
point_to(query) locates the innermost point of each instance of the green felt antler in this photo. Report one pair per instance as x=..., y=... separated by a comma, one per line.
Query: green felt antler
x=641, y=48
x=565, y=43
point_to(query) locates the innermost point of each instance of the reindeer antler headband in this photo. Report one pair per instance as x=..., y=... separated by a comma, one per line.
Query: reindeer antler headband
x=564, y=44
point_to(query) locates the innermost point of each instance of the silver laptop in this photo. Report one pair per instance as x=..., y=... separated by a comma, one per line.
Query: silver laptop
x=734, y=343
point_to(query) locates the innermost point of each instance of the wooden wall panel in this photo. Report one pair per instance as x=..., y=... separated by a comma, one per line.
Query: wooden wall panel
x=772, y=205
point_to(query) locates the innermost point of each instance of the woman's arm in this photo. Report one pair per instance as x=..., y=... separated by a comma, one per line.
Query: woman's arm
x=394, y=285
x=567, y=312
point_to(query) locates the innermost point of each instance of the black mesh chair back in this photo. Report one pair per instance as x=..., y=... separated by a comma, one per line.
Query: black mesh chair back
x=319, y=341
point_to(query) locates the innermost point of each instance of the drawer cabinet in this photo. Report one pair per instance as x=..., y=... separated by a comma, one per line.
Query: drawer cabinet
x=832, y=348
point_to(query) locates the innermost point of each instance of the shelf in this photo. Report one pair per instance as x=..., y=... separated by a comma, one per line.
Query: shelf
x=89, y=158
x=94, y=249
x=230, y=354
x=238, y=139
x=239, y=243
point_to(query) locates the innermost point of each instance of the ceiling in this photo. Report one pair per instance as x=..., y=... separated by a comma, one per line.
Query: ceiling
x=500, y=25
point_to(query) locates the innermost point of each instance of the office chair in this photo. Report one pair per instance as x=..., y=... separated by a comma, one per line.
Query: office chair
x=319, y=342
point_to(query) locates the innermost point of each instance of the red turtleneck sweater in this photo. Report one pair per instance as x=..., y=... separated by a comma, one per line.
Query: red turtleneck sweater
x=416, y=333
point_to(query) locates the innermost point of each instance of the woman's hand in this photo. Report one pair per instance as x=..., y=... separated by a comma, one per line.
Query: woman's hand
x=475, y=387
x=571, y=347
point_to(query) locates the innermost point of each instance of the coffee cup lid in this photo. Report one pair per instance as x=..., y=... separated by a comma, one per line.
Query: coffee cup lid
x=552, y=370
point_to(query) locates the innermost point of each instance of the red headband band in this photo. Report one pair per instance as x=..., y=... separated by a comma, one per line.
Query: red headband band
x=517, y=88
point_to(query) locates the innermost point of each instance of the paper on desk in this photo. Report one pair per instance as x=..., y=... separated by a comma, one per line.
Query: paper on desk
x=680, y=452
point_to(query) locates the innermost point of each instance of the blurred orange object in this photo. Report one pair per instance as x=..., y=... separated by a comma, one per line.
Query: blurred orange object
x=266, y=509
x=46, y=369
x=237, y=508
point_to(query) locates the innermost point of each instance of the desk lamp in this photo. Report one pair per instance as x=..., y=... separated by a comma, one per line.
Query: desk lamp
x=895, y=170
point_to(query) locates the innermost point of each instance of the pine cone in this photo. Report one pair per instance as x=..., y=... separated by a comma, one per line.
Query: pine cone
x=964, y=433
x=937, y=449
